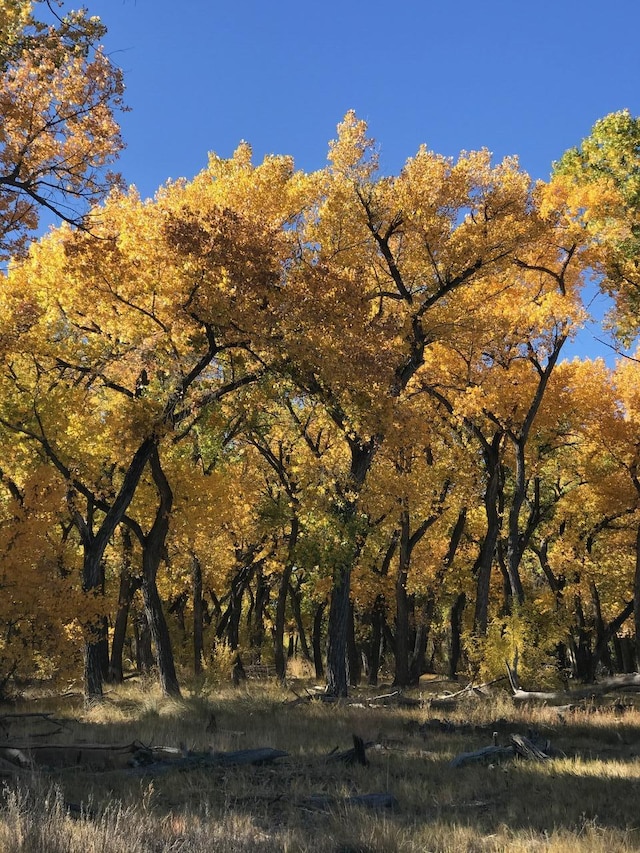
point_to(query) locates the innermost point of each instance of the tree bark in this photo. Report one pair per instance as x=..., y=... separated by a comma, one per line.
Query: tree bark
x=198, y=614
x=144, y=650
x=281, y=605
x=337, y=674
x=153, y=552
x=353, y=655
x=128, y=587
x=377, y=622
x=484, y=562
x=295, y=599
x=456, y=633
x=317, y=639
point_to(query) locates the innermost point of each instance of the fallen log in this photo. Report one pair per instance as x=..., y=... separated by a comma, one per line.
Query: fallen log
x=81, y=755
x=486, y=754
x=324, y=802
x=519, y=747
x=205, y=760
x=630, y=682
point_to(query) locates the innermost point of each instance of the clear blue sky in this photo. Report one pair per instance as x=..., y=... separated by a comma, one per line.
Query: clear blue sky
x=517, y=77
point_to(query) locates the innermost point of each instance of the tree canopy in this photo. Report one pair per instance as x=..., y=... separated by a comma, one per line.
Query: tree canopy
x=330, y=406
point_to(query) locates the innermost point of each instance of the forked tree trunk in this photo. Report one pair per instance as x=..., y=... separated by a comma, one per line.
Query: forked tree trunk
x=153, y=552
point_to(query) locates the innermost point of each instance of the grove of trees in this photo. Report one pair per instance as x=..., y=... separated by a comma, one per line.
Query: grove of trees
x=271, y=411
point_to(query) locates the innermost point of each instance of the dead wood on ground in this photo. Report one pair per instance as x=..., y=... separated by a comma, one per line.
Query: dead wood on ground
x=519, y=746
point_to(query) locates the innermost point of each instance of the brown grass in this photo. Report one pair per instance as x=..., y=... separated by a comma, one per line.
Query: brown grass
x=584, y=801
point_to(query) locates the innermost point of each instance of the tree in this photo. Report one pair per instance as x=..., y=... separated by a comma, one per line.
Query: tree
x=58, y=95
x=598, y=184
x=396, y=267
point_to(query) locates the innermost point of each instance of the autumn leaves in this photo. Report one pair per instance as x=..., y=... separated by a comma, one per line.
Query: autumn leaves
x=337, y=387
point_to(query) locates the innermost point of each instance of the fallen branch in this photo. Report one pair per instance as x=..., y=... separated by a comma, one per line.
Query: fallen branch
x=519, y=746
x=630, y=682
x=356, y=755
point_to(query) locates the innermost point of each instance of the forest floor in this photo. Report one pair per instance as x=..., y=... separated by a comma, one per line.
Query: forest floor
x=318, y=797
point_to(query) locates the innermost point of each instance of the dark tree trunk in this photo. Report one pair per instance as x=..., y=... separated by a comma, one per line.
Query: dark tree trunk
x=403, y=606
x=93, y=581
x=484, y=562
x=94, y=545
x=256, y=638
x=177, y=607
x=198, y=615
x=602, y=653
x=162, y=642
x=353, y=656
x=153, y=552
x=362, y=455
x=583, y=655
x=337, y=632
x=295, y=599
x=456, y=633
x=418, y=663
x=144, y=650
x=377, y=627
x=128, y=587
x=103, y=645
x=281, y=604
x=636, y=597
x=317, y=639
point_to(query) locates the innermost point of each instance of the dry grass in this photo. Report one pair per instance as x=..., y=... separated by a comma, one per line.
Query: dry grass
x=585, y=801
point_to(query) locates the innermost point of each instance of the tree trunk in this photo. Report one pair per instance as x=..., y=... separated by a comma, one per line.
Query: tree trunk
x=456, y=633
x=377, y=622
x=128, y=587
x=256, y=638
x=403, y=606
x=353, y=656
x=583, y=655
x=94, y=545
x=93, y=581
x=418, y=664
x=153, y=552
x=281, y=604
x=362, y=455
x=160, y=636
x=294, y=598
x=337, y=675
x=144, y=650
x=484, y=562
x=198, y=615
x=636, y=596
x=317, y=639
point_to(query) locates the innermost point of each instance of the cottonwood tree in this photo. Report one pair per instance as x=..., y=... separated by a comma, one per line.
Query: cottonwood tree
x=59, y=94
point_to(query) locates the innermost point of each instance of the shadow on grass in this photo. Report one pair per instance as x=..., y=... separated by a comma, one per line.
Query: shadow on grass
x=597, y=783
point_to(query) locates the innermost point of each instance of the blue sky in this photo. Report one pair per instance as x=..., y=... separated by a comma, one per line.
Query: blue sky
x=525, y=78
